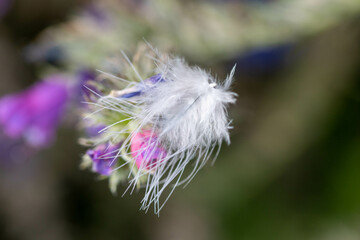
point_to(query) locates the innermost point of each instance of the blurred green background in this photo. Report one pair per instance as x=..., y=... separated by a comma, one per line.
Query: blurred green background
x=293, y=168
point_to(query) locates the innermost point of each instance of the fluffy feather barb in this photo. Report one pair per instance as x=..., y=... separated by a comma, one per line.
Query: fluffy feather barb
x=187, y=108
x=170, y=121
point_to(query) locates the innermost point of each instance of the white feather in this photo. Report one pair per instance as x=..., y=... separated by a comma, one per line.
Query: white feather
x=187, y=111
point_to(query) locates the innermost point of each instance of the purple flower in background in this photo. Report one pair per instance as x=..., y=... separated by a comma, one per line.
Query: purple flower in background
x=35, y=113
x=49, y=53
x=97, y=14
x=4, y=6
x=103, y=157
x=265, y=60
x=14, y=151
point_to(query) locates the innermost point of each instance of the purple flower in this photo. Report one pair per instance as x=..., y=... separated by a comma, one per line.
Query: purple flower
x=35, y=113
x=84, y=75
x=48, y=53
x=14, y=152
x=155, y=79
x=97, y=14
x=93, y=131
x=104, y=158
x=86, y=79
x=4, y=6
x=140, y=88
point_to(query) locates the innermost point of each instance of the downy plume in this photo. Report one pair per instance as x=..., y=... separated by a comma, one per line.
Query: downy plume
x=165, y=116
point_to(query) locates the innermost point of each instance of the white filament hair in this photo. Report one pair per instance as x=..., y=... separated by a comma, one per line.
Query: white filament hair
x=187, y=111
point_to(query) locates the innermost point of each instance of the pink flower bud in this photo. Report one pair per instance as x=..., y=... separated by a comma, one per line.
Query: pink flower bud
x=146, y=150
